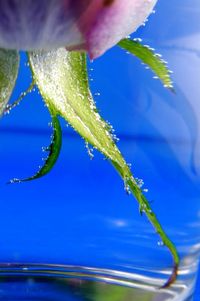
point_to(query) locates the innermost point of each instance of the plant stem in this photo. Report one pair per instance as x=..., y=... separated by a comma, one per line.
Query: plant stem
x=146, y=208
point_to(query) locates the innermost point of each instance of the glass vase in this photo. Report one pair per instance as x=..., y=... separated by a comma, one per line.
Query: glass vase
x=75, y=234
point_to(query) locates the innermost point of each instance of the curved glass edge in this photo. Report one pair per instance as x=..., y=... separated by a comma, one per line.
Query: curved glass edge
x=142, y=282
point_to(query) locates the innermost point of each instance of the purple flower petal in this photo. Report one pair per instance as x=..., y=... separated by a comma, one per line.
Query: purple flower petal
x=91, y=25
x=38, y=24
x=106, y=22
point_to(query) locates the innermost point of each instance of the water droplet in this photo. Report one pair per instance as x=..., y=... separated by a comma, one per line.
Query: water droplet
x=89, y=150
x=160, y=243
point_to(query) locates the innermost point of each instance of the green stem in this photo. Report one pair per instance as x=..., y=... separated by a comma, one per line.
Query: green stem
x=146, y=208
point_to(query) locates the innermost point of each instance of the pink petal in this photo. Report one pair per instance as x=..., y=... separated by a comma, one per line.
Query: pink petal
x=106, y=22
x=91, y=25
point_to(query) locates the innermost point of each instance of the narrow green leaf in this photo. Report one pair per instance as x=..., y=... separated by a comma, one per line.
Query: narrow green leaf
x=54, y=151
x=149, y=58
x=14, y=104
x=9, y=65
x=61, y=77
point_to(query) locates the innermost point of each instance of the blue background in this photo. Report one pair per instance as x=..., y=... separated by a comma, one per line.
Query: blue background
x=26, y=130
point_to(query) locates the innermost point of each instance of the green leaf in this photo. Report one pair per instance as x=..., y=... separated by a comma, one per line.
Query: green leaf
x=61, y=77
x=9, y=65
x=149, y=58
x=54, y=151
x=14, y=104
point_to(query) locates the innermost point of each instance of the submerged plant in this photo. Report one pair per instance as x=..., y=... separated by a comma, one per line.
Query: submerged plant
x=57, y=35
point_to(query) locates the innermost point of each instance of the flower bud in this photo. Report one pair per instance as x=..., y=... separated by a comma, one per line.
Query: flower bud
x=90, y=25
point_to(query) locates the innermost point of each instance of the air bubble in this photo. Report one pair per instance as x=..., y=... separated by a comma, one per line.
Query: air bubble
x=160, y=243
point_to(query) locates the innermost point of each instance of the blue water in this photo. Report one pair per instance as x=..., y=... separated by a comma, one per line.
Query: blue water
x=80, y=214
